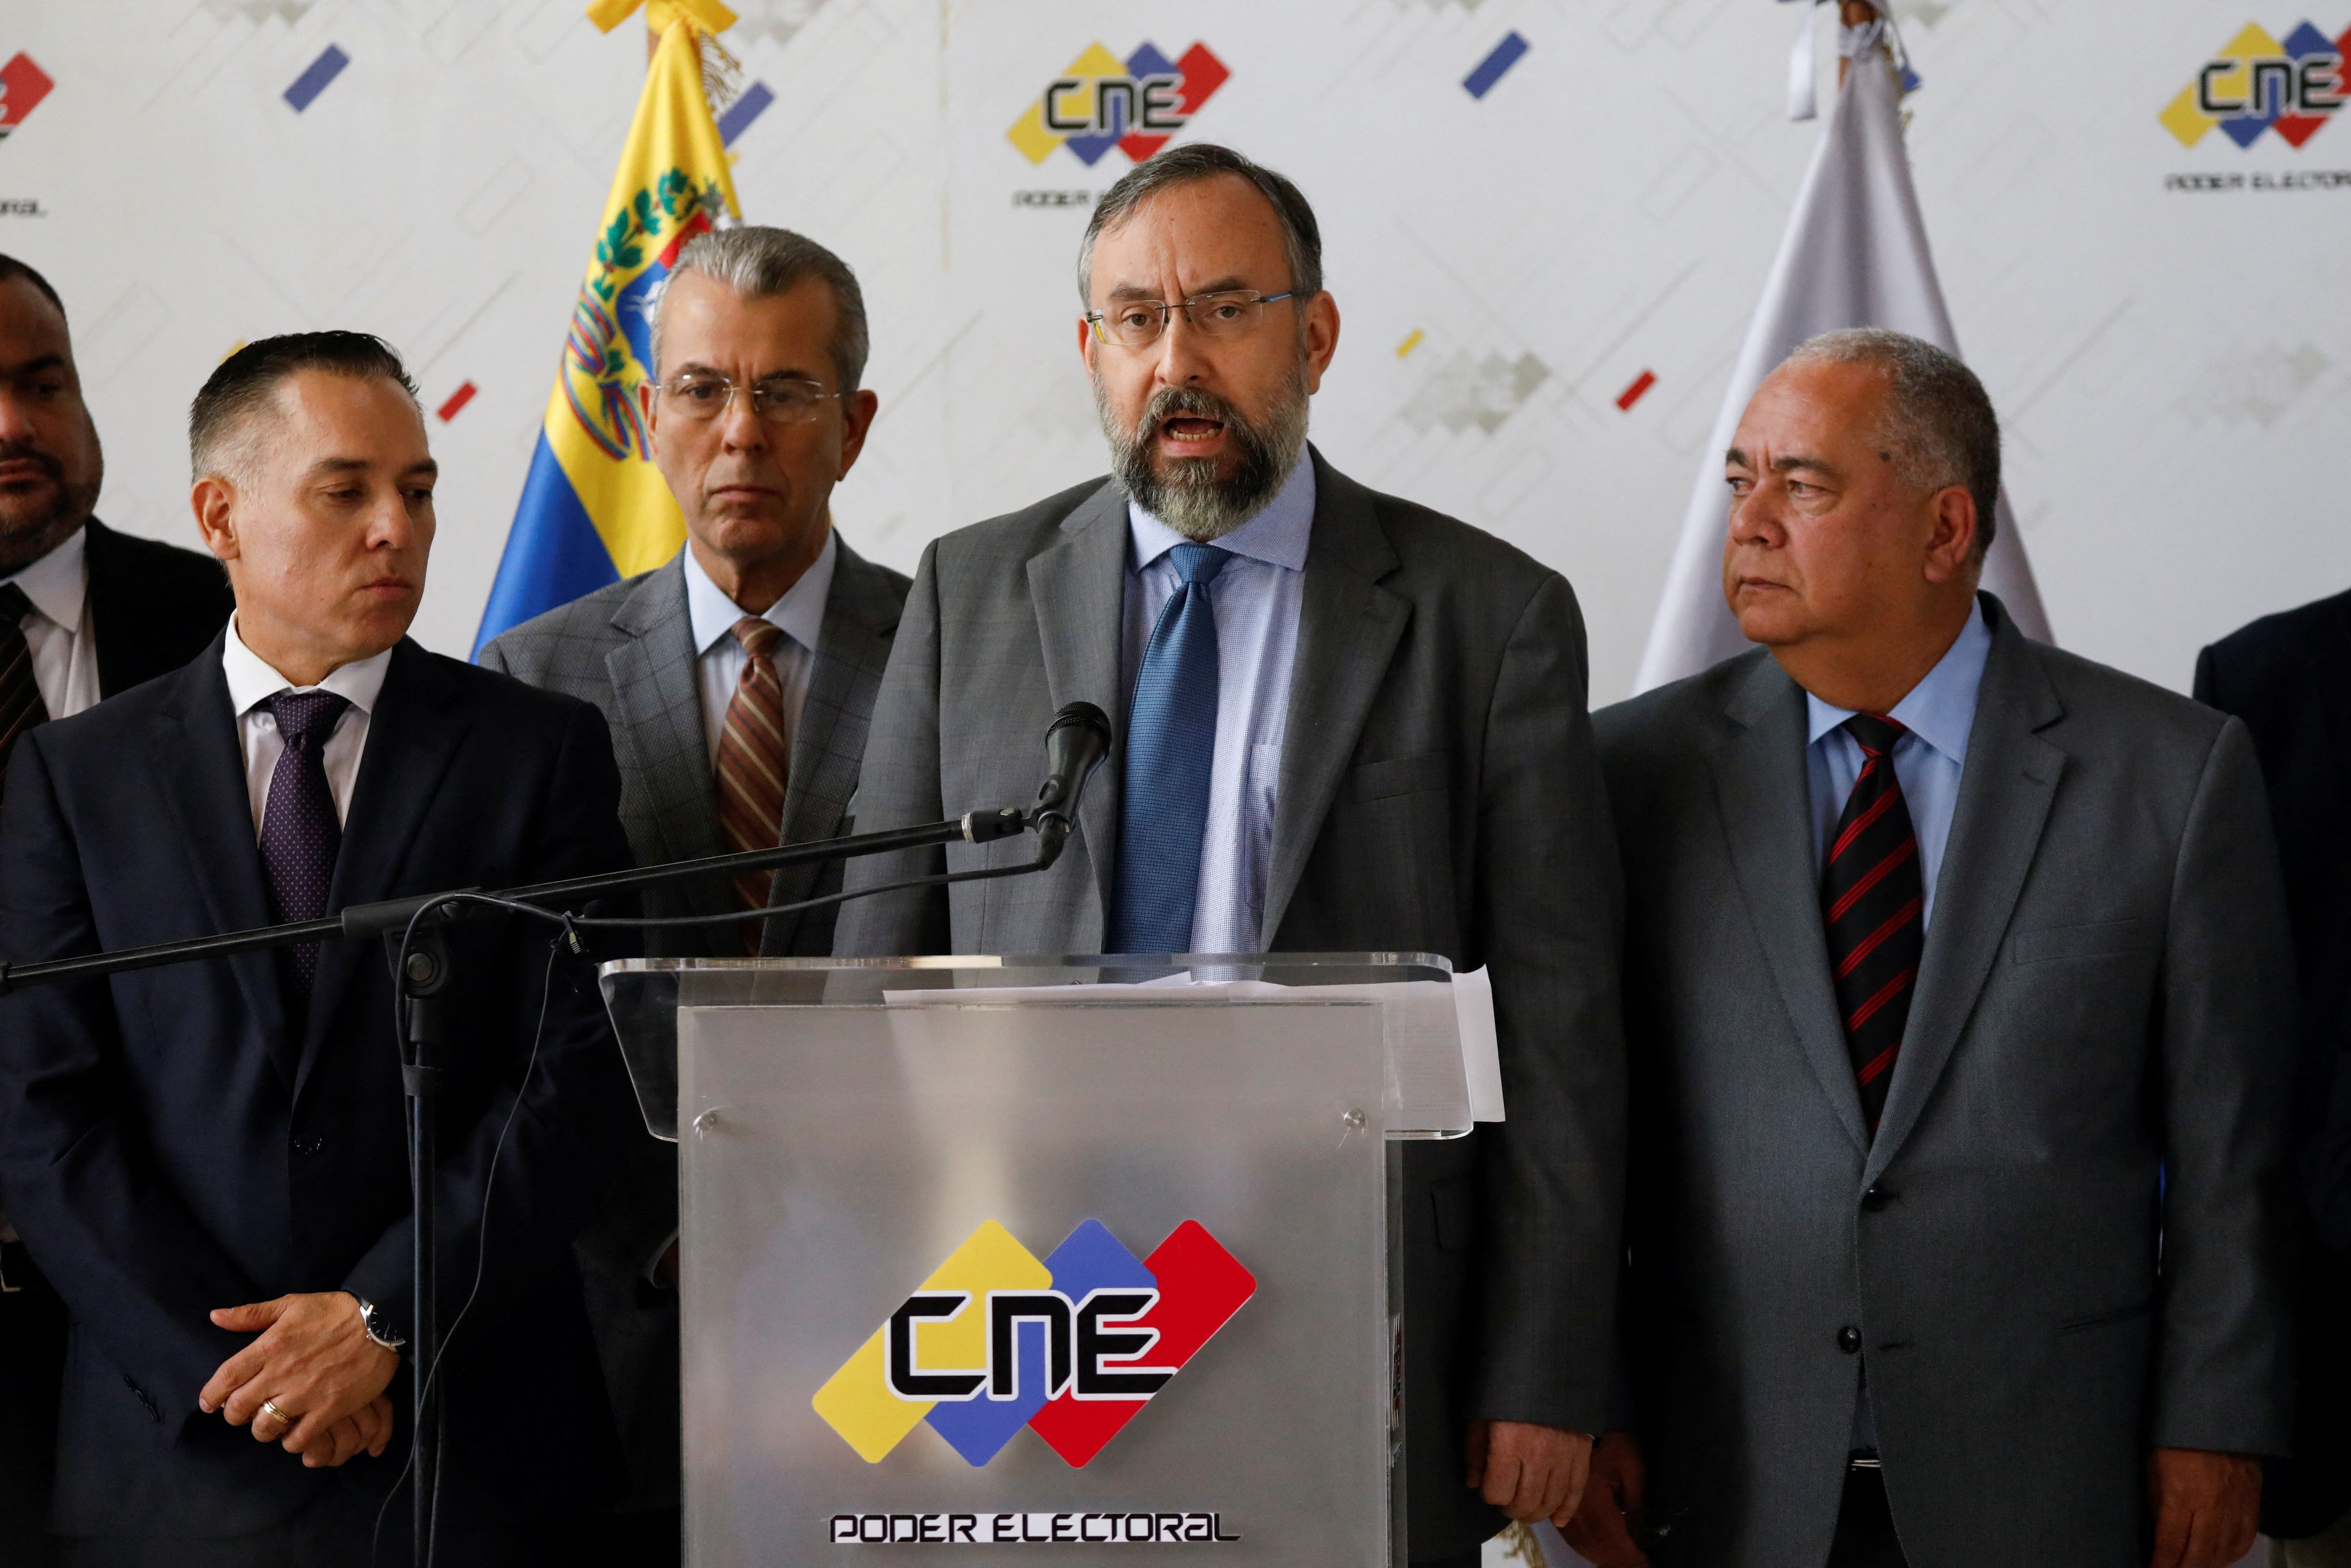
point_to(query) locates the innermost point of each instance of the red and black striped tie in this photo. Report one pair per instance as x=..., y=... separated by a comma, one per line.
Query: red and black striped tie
x=1873, y=899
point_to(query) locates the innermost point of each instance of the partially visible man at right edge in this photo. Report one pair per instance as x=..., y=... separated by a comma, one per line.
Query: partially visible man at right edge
x=2288, y=677
x=1959, y=1005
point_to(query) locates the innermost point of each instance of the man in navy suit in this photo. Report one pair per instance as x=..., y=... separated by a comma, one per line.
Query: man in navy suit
x=209, y=1159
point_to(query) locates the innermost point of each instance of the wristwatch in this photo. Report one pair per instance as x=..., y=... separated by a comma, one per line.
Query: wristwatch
x=378, y=1325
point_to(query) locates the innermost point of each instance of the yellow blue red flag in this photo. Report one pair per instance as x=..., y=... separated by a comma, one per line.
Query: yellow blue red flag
x=594, y=509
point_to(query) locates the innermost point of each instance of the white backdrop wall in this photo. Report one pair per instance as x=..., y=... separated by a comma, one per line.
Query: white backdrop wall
x=2173, y=365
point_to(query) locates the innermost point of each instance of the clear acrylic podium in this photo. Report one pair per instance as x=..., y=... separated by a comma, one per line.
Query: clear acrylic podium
x=1042, y=1256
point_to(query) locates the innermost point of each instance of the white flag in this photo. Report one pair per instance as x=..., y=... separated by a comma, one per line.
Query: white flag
x=1855, y=255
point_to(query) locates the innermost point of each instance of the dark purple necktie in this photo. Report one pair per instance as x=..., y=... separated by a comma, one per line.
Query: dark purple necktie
x=1872, y=896
x=299, y=831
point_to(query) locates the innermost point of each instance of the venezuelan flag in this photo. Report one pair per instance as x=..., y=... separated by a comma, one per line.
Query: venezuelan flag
x=594, y=509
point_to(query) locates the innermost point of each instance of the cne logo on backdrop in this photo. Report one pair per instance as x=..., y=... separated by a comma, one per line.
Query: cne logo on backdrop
x=1102, y=101
x=2257, y=84
x=1072, y=1347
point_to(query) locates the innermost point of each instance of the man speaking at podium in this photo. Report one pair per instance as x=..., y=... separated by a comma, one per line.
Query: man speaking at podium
x=1351, y=724
x=210, y=1158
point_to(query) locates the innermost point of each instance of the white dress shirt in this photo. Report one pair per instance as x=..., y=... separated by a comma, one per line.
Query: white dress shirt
x=718, y=657
x=252, y=682
x=57, y=632
x=1257, y=598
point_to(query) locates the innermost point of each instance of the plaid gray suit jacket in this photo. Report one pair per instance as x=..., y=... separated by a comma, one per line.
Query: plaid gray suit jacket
x=1438, y=792
x=629, y=648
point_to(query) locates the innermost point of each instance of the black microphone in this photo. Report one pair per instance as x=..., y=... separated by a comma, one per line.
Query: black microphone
x=1075, y=744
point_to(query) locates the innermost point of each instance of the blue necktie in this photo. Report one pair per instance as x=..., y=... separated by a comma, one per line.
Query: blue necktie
x=1171, y=747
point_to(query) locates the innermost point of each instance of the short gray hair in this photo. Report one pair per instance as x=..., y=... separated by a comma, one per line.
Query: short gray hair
x=1301, y=237
x=758, y=263
x=1938, y=415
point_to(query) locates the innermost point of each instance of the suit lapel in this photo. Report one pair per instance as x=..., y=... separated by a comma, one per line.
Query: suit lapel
x=1347, y=631
x=1079, y=591
x=860, y=612
x=2005, y=791
x=413, y=736
x=199, y=762
x=1762, y=787
x=659, y=739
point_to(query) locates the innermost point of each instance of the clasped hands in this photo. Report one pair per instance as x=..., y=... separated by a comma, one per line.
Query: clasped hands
x=314, y=1368
x=2206, y=1507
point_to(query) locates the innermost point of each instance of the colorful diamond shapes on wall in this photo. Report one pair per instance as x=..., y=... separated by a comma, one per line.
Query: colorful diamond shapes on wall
x=22, y=85
x=315, y=78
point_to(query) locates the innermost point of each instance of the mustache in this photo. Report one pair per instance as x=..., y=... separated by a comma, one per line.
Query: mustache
x=20, y=452
x=1168, y=402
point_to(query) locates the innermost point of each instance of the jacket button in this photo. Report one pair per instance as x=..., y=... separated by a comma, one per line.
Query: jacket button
x=310, y=1146
x=1875, y=1198
x=1849, y=1340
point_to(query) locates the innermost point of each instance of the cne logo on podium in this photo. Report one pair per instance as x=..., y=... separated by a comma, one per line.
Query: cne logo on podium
x=2258, y=84
x=1072, y=1347
x=1102, y=101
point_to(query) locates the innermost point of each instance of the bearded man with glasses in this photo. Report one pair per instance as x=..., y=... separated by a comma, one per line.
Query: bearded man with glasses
x=737, y=679
x=1345, y=722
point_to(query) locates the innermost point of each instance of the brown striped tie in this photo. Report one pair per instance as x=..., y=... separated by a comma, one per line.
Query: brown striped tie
x=20, y=697
x=753, y=764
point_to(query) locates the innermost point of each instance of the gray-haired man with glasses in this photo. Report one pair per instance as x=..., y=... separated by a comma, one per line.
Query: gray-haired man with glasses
x=737, y=679
x=1345, y=722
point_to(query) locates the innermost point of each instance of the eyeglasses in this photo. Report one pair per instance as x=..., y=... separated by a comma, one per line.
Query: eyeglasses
x=1137, y=323
x=778, y=400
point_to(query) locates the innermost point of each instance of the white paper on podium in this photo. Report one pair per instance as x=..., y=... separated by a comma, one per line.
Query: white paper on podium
x=1481, y=1047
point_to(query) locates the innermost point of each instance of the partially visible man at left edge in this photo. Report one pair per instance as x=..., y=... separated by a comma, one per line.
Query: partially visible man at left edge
x=85, y=612
x=210, y=1158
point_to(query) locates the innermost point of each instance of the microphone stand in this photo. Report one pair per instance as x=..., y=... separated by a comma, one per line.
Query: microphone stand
x=424, y=972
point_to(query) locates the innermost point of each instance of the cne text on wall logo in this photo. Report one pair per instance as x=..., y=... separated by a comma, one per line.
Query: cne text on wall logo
x=1072, y=1347
x=1102, y=101
x=22, y=85
x=2258, y=83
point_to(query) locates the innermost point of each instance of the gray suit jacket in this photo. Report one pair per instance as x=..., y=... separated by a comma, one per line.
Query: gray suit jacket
x=2098, y=1058
x=629, y=648
x=1437, y=791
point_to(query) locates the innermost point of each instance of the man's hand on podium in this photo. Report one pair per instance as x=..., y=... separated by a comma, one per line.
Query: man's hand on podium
x=1530, y=1472
x=312, y=1382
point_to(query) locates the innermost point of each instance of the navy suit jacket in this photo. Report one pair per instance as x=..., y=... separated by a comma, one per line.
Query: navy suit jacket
x=2288, y=676
x=176, y=1143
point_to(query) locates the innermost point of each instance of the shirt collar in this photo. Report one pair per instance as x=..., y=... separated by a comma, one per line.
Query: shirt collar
x=58, y=582
x=1277, y=535
x=799, y=614
x=253, y=680
x=1940, y=709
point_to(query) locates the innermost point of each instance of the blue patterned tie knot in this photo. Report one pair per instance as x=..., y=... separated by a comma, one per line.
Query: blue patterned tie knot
x=1171, y=751
x=1196, y=564
x=301, y=834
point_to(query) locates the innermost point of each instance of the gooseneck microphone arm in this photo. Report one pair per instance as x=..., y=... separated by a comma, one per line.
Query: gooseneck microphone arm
x=1075, y=746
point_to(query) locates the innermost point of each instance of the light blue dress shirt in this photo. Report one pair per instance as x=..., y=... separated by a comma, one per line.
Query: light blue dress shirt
x=1938, y=713
x=1257, y=598
x=718, y=657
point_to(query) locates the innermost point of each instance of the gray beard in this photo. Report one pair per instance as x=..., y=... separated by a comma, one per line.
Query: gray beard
x=1189, y=495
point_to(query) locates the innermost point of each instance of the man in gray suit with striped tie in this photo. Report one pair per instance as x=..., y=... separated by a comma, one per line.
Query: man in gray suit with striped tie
x=1960, y=1002
x=737, y=679
x=1350, y=723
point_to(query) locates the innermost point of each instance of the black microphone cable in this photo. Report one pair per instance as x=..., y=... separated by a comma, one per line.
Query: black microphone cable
x=571, y=923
